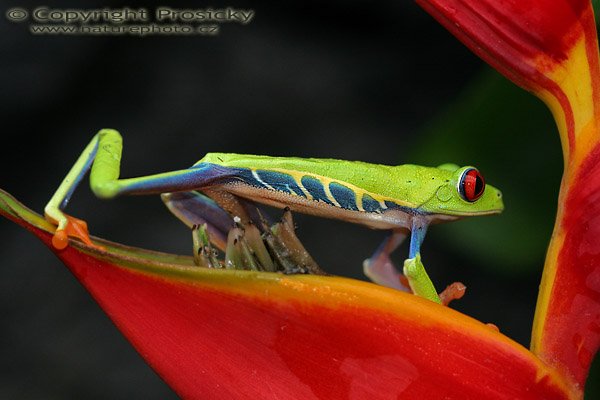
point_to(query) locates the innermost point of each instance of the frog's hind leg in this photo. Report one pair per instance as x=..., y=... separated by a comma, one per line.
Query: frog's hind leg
x=103, y=157
x=236, y=232
x=380, y=268
x=195, y=209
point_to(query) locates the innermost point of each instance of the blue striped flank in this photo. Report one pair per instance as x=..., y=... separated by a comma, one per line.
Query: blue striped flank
x=369, y=204
x=344, y=196
x=315, y=188
x=280, y=181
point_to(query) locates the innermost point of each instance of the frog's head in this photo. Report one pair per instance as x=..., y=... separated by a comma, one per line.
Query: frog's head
x=464, y=193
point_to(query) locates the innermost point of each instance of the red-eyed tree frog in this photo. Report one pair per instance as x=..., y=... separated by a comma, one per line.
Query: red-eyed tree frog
x=402, y=199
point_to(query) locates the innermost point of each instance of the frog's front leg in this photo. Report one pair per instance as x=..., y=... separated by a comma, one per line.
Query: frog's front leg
x=415, y=273
x=417, y=277
x=421, y=284
x=418, y=280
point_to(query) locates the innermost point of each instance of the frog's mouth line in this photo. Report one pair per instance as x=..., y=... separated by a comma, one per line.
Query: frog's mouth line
x=477, y=213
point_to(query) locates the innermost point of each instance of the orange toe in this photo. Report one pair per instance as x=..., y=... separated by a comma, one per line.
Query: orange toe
x=454, y=291
x=60, y=239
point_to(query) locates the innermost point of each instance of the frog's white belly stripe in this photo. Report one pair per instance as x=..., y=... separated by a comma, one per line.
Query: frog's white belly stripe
x=259, y=180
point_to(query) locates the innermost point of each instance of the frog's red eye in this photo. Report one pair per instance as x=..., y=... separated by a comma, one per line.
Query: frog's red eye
x=471, y=185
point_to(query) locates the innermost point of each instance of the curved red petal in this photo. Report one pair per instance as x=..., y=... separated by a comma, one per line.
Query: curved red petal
x=567, y=324
x=241, y=334
x=547, y=47
x=523, y=39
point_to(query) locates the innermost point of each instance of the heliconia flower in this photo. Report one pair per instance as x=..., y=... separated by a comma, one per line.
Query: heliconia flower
x=551, y=49
x=228, y=334
x=217, y=333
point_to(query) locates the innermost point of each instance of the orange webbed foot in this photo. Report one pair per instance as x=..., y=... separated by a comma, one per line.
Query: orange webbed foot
x=75, y=228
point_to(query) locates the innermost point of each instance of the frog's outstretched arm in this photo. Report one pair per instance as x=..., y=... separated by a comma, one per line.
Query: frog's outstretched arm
x=103, y=156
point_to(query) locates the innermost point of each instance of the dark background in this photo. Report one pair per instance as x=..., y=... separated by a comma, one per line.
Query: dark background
x=346, y=80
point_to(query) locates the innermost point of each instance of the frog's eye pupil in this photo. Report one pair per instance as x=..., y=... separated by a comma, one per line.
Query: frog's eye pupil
x=471, y=185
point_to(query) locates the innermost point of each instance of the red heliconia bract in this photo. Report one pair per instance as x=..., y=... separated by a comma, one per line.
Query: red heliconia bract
x=551, y=49
x=227, y=334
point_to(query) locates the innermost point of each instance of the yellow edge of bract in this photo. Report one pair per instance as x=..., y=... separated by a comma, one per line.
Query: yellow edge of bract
x=559, y=117
x=545, y=291
x=574, y=79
